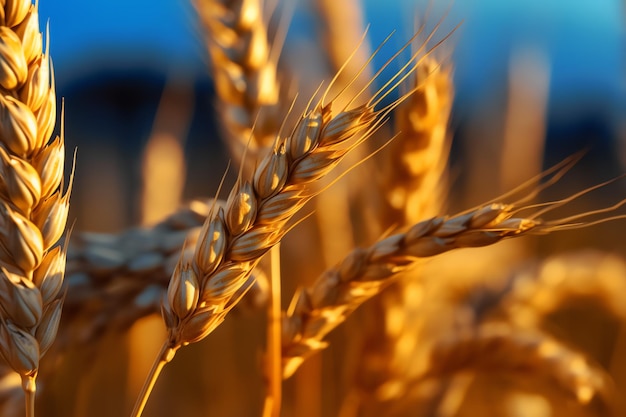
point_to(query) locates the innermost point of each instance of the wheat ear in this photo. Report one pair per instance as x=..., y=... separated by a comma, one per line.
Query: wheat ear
x=320, y=308
x=415, y=174
x=257, y=216
x=504, y=348
x=244, y=72
x=33, y=204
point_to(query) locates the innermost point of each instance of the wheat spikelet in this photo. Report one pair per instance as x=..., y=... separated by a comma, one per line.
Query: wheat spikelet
x=318, y=309
x=257, y=216
x=244, y=73
x=503, y=348
x=33, y=206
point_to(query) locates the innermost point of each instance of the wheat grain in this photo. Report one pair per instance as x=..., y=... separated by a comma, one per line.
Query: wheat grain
x=34, y=204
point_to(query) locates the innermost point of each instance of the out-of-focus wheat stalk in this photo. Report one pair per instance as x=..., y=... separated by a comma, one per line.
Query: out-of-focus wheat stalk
x=34, y=205
x=415, y=172
x=524, y=130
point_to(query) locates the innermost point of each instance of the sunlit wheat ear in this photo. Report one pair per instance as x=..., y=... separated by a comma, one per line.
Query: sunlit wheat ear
x=505, y=349
x=318, y=309
x=33, y=202
x=244, y=65
x=415, y=172
x=282, y=183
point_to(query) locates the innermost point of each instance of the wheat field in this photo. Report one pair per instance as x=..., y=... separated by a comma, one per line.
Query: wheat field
x=349, y=251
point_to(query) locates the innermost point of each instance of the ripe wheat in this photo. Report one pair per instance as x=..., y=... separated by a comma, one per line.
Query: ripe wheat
x=244, y=72
x=199, y=263
x=34, y=204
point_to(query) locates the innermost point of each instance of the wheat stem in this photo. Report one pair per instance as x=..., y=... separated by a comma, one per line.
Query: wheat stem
x=274, y=333
x=165, y=355
x=29, y=386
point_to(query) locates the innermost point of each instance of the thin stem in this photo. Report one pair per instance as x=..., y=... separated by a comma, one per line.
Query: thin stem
x=274, y=373
x=30, y=387
x=166, y=354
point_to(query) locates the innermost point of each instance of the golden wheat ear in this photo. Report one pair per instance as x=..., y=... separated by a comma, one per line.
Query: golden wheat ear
x=244, y=68
x=234, y=239
x=326, y=304
x=33, y=203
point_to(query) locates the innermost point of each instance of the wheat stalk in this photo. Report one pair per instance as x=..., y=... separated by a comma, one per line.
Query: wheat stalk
x=415, y=173
x=33, y=206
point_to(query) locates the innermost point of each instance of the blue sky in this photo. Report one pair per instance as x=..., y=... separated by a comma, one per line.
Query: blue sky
x=584, y=38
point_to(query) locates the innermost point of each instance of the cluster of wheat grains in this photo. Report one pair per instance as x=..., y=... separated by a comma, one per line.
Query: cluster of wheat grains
x=434, y=339
x=34, y=204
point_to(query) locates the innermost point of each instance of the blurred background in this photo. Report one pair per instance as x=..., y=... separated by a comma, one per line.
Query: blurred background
x=113, y=60
x=535, y=81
